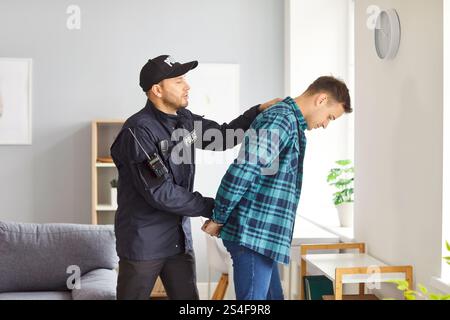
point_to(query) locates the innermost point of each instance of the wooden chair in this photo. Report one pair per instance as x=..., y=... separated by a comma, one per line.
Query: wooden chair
x=158, y=292
x=221, y=288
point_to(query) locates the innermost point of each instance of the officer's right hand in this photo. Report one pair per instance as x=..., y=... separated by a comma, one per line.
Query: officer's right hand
x=212, y=228
x=268, y=104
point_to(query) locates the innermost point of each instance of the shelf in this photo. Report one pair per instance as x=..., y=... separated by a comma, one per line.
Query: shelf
x=109, y=121
x=105, y=165
x=103, y=134
x=106, y=207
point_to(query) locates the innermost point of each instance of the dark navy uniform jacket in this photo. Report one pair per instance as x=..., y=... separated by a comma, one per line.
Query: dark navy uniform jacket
x=152, y=219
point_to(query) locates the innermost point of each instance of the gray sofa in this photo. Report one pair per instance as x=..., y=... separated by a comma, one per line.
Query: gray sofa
x=57, y=261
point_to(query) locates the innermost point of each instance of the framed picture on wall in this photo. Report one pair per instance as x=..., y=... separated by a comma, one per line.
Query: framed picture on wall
x=15, y=101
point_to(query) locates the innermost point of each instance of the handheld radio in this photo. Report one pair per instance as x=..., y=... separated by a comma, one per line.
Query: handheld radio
x=154, y=161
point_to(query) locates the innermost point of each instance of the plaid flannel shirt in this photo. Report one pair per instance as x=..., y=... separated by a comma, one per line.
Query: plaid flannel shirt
x=257, y=200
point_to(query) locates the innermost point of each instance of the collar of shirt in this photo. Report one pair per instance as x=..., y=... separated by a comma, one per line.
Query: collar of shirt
x=168, y=120
x=298, y=112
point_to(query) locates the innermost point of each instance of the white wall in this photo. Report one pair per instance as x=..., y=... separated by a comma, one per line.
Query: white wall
x=398, y=139
x=446, y=143
x=318, y=43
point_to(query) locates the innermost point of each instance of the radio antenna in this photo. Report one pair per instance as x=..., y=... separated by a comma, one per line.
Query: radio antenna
x=142, y=148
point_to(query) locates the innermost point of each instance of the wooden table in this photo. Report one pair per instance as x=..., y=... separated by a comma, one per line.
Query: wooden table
x=343, y=268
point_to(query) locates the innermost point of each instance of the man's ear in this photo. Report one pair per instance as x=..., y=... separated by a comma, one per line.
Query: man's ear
x=322, y=99
x=156, y=90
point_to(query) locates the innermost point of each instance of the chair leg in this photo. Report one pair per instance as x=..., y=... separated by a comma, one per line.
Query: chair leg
x=221, y=288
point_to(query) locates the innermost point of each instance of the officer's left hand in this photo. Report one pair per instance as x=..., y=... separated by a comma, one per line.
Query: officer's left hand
x=212, y=228
x=268, y=104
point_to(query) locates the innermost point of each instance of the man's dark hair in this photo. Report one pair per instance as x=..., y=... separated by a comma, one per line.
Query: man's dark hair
x=335, y=88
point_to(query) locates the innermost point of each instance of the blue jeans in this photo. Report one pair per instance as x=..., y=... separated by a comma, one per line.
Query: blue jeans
x=256, y=277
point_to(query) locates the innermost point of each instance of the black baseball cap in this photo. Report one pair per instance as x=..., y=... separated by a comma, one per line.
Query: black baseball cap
x=160, y=68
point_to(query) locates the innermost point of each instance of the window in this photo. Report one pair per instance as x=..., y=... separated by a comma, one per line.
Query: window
x=320, y=41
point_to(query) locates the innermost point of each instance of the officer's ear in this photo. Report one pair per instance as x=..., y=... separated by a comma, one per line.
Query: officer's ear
x=156, y=90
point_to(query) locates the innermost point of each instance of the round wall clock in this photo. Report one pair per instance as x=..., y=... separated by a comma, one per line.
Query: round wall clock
x=387, y=34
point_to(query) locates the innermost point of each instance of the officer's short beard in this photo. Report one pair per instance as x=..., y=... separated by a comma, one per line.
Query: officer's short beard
x=175, y=104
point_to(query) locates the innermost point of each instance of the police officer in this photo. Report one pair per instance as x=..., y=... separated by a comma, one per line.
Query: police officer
x=155, y=191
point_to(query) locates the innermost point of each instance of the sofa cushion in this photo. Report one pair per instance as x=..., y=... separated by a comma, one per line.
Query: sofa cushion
x=38, y=295
x=99, y=284
x=36, y=257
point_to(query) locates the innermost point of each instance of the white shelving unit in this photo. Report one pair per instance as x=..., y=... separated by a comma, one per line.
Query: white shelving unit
x=103, y=134
x=105, y=165
x=106, y=207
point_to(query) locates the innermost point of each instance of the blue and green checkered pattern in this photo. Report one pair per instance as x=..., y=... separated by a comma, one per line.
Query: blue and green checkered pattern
x=257, y=200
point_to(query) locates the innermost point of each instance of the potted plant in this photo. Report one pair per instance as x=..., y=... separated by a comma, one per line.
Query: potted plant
x=342, y=179
x=114, y=184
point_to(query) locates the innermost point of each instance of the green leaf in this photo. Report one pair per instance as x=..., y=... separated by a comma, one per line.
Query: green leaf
x=448, y=245
x=401, y=284
x=343, y=162
x=348, y=192
x=334, y=173
x=435, y=296
x=423, y=289
x=343, y=183
x=410, y=297
x=447, y=297
x=338, y=199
